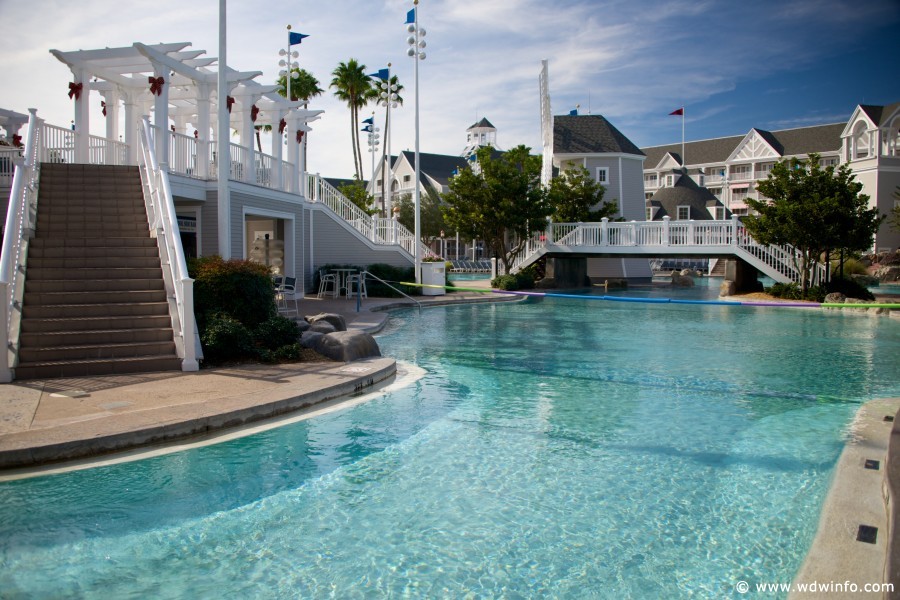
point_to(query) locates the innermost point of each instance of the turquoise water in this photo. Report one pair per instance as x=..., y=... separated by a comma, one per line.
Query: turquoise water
x=554, y=448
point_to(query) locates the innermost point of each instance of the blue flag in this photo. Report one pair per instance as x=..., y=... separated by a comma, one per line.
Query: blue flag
x=370, y=120
x=411, y=16
x=381, y=74
x=367, y=128
x=573, y=112
x=295, y=38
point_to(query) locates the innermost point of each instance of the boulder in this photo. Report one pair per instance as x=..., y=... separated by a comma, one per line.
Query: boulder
x=345, y=346
x=887, y=273
x=302, y=325
x=682, y=279
x=835, y=298
x=322, y=327
x=727, y=288
x=862, y=306
x=337, y=321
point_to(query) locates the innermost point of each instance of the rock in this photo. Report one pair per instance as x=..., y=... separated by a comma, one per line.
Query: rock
x=862, y=306
x=311, y=339
x=835, y=298
x=887, y=273
x=337, y=321
x=683, y=279
x=686, y=272
x=302, y=325
x=345, y=346
x=728, y=288
x=322, y=327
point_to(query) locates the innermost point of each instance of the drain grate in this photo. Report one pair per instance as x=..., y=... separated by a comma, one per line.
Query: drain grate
x=889, y=418
x=872, y=464
x=867, y=534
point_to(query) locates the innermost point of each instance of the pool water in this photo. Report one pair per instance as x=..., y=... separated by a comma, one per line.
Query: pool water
x=553, y=448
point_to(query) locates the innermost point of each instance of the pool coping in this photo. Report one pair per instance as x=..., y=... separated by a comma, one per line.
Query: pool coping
x=858, y=496
x=276, y=390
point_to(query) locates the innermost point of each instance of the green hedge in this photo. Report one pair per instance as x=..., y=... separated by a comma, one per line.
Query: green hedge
x=523, y=280
x=817, y=293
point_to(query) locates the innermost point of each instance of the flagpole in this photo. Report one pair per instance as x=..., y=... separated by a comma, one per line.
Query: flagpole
x=683, y=161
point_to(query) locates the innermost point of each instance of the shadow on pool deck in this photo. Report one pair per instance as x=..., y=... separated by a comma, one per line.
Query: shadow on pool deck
x=50, y=420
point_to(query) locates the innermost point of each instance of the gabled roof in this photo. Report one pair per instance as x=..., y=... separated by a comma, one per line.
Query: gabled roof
x=685, y=192
x=437, y=166
x=589, y=134
x=879, y=114
x=787, y=142
x=482, y=123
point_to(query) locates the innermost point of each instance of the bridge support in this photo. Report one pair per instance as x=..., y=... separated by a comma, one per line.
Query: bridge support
x=742, y=275
x=566, y=273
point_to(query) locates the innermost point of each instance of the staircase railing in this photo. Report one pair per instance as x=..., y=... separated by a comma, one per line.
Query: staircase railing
x=164, y=223
x=20, y=220
x=375, y=229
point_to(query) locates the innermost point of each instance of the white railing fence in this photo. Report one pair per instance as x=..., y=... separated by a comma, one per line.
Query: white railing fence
x=19, y=226
x=376, y=230
x=8, y=157
x=164, y=223
x=57, y=144
x=103, y=151
x=669, y=236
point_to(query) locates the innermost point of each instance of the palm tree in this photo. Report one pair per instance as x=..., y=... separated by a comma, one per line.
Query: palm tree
x=353, y=87
x=303, y=87
x=394, y=83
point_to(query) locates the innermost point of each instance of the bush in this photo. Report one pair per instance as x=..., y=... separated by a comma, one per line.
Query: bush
x=393, y=275
x=523, y=280
x=224, y=338
x=817, y=293
x=276, y=332
x=851, y=267
x=850, y=288
x=239, y=288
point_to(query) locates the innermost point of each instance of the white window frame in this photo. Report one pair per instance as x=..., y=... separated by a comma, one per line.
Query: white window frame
x=678, y=216
x=649, y=213
x=605, y=171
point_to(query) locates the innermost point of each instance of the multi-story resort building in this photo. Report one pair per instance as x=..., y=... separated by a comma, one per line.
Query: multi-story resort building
x=728, y=168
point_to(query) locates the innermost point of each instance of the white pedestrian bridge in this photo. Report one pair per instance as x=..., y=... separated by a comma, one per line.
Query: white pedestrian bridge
x=666, y=238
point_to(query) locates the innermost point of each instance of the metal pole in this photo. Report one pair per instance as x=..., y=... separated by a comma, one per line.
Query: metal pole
x=418, y=226
x=222, y=131
x=386, y=192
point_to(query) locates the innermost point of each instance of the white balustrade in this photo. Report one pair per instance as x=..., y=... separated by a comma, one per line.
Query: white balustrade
x=57, y=144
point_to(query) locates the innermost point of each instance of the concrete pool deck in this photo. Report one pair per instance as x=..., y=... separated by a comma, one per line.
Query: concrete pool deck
x=52, y=420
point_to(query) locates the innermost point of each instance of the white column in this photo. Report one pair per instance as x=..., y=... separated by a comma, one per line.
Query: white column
x=82, y=116
x=161, y=114
x=203, y=110
x=131, y=124
x=111, y=98
x=293, y=155
x=277, y=148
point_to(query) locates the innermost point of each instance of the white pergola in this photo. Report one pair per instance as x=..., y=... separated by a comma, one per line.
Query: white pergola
x=177, y=85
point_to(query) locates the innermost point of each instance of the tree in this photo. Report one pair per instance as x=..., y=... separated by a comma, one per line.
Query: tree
x=304, y=87
x=353, y=86
x=431, y=214
x=576, y=198
x=356, y=193
x=815, y=210
x=502, y=203
x=894, y=217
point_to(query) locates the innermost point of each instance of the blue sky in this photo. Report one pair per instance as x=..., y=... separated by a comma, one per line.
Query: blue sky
x=733, y=65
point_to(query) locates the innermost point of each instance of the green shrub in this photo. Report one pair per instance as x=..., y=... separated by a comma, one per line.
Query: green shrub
x=239, y=288
x=278, y=331
x=289, y=352
x=523, y=280
x=851, y=267
x=850, y=288
x=224, y=338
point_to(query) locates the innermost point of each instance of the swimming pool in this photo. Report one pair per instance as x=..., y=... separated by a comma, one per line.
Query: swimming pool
x=553, y=448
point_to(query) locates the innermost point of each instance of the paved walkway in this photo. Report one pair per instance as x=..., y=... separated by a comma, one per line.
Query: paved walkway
x=59, y=419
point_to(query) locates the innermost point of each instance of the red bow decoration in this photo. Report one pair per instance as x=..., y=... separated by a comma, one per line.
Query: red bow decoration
x=75, y=90
x=17, y=140
x=196, y=134
x=281, y=125
x=228, y=102
x=299, y=136
x=156, y=85
x=172, y=127
x=254, y=112
x=103, y=106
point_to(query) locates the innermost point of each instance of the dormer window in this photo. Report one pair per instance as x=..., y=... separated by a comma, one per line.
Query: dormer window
x=684, y=212
x=670, y=180
x=860, y=142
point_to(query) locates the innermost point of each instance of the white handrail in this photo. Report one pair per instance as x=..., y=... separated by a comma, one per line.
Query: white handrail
x=162, y=220
x=783, y=260
x=376, y=230
x=20, y=217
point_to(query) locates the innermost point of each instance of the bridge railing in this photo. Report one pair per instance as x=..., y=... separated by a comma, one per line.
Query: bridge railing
x=667, y=234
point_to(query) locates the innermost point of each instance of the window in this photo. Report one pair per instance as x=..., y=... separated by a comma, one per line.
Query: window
x=650, y=180
x=649, y=214
x=603, y=175
x=829, y=162
x=378, y=184
x=406, y=178
x=720, y=213
x=684, y=213
x=717, y=192
x=860, y=142
x=670, y=180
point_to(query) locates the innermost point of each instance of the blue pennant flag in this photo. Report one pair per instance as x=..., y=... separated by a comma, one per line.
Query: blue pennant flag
x=295, y=38
x=381, y=74
x=472, y=157
x=370, y=120
x=367, y=128
x=411, y=16
x=573, y=112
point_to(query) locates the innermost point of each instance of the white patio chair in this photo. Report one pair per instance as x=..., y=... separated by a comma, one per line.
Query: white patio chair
x=326, y=280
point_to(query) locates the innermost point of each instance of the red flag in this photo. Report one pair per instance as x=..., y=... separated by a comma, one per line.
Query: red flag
x=680, y=111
